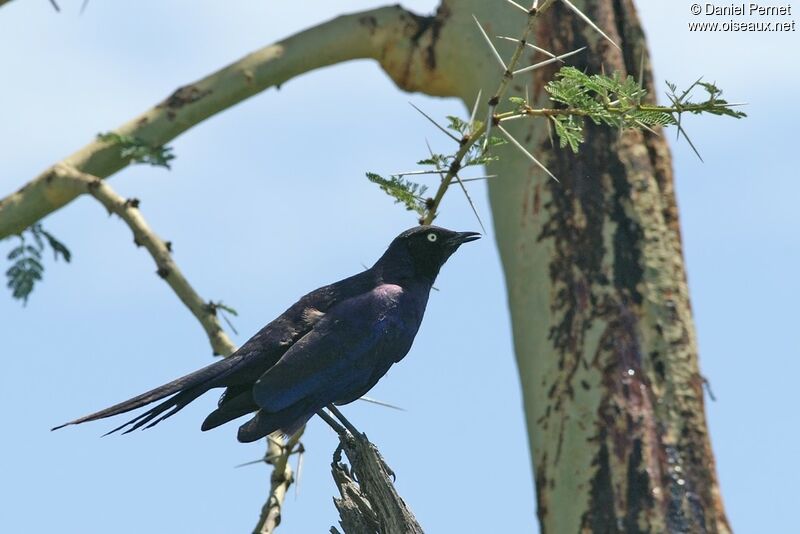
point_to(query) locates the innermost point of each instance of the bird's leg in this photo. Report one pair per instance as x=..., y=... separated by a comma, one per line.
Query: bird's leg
x=339, y=429
x=340, y=416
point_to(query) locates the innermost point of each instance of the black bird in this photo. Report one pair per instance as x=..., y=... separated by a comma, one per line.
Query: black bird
x=330, y=347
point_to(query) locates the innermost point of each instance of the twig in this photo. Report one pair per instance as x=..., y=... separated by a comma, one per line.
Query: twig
x=144, y=236
x=282, y=477
x=476, y=134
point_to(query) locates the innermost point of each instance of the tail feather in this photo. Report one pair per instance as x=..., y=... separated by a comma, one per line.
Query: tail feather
x=263, y=423
x=187, y=387
x=173, y=404
x=232, y=408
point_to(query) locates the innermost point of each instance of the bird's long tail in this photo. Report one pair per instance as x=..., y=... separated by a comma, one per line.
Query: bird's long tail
x=184, y=390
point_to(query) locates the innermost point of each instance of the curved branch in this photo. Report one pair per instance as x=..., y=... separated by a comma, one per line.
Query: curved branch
x=127, y=209
x=388, y=34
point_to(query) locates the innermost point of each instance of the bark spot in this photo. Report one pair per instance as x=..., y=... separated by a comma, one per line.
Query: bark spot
x=541, y=501
x=433, y=24
x=600, y=517
x=639, y=497
x=370, y=23
x=188, y=94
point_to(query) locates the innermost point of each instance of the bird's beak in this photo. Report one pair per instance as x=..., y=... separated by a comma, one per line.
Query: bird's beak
x=465, y=237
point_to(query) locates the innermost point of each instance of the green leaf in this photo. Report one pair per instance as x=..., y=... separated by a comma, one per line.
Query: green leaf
x=496, y=141
x=437, y=160
x=456, y=124
x=569, y=130
x=15, y=252
x=138, y=150
x=226, y=308
x=58, y=247
x=27, y=267
x=25, y=272
x=403, y=191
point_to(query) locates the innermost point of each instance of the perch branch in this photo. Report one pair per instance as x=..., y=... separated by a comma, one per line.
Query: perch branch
x=369, y=502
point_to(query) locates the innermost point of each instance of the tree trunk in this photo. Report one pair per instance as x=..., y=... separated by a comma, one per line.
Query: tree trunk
x=602, y=322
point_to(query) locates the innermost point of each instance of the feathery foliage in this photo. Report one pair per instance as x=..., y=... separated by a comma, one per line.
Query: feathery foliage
x=138, y=150
x=615, y=101
x=405, y=192
x=219, y=308
x=27, y=267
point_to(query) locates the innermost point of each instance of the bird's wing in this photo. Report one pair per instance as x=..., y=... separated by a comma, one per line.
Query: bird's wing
x=268, y=345
x=345, y=353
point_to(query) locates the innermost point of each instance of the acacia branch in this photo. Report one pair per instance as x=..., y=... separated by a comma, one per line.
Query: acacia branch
x=204, y=312
x=160, y=250
x=378, y=34
x=471, y=138
x=282, y=477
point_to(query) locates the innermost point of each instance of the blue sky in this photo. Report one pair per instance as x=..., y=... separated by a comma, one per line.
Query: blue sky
x=268, y=201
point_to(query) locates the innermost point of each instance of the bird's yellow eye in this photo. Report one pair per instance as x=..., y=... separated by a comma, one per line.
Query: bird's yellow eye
x=432, y=237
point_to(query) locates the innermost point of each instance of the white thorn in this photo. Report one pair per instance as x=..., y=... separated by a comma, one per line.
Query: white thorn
x=548, y=61
x=513, y=3
x=542, y=50
x=476, y=178
x=471, y=204
x=380, y=403
x=496, y=53
x=588, y=21
x=416, y=173
x=488, y=128
x=475, y=109
x=442, y=128
x=524, y=151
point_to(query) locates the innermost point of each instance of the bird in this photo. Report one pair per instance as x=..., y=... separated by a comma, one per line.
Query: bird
x=327, y=349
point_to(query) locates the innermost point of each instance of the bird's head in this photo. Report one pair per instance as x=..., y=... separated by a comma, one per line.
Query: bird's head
x=421, y=251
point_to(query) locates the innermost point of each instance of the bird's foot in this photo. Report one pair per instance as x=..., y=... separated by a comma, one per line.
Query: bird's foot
x=348, y=425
